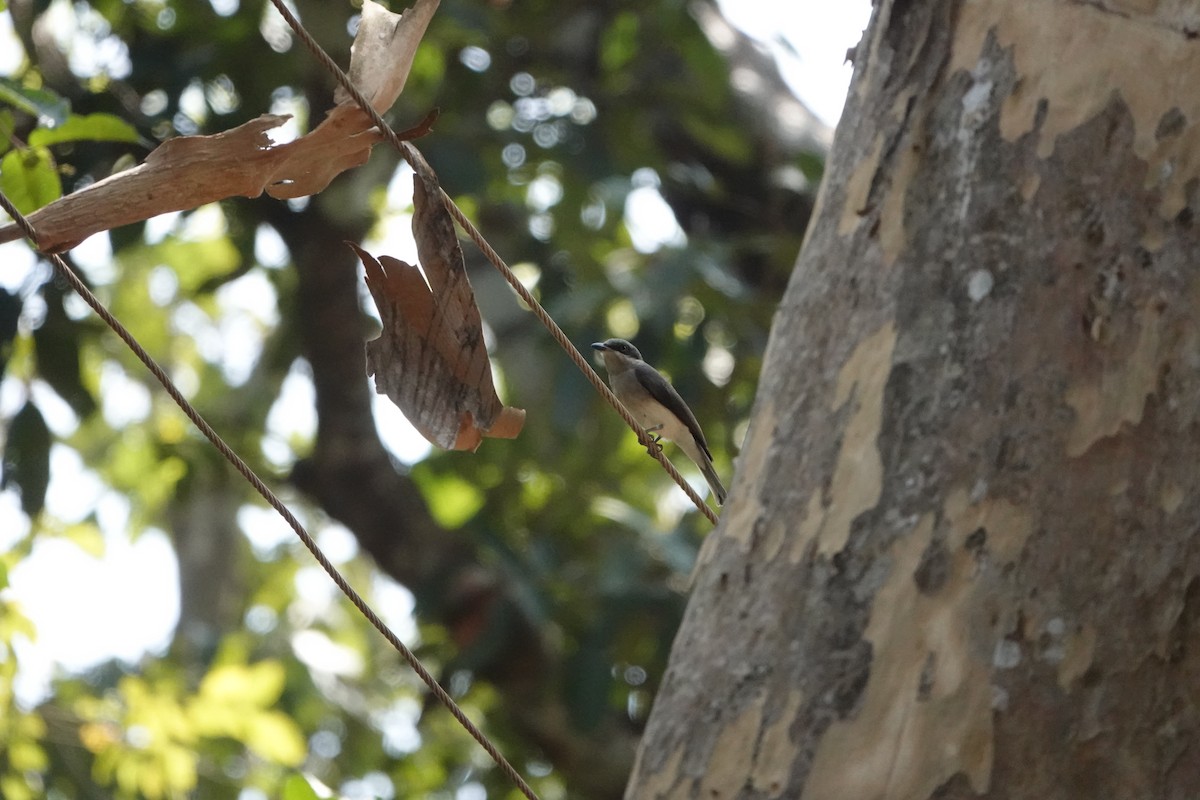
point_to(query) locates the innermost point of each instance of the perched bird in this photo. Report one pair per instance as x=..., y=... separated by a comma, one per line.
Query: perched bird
x=654, y=402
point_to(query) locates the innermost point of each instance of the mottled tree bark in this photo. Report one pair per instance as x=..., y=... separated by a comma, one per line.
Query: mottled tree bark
x=960, y=555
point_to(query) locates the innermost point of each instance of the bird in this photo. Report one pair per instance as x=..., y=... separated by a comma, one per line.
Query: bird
x=653, y=401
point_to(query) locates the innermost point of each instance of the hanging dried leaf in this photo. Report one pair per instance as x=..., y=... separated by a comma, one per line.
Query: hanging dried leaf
x=430, y=359
x=383, y=50
x=189, y=171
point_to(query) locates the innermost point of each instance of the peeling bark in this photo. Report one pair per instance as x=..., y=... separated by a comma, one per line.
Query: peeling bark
x=960, y=554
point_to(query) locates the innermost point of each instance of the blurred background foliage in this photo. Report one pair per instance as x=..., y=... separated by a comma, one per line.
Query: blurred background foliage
x=548, y=573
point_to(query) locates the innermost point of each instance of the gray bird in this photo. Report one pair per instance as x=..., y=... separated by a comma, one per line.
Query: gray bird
x=654, y=402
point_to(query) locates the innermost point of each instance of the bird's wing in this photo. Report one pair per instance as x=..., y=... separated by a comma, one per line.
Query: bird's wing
x=662, y=391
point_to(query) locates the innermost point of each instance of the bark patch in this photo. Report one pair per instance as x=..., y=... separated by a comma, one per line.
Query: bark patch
x=1101, y=407
x=740, y=517
x=1075, y=56
x=858, y=474
x=1078, y=652
x=663, y=783
x=729, y=765
x=927, y=711
x=777, y=752
x=858, y=189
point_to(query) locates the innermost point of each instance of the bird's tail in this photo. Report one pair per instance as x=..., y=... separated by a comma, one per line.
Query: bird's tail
x=714, y=482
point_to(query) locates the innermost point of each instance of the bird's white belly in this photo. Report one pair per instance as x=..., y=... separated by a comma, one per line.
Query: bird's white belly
x=648, y=412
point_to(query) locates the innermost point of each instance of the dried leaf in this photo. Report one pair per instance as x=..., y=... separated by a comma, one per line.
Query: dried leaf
x=189, y=171
x=383, y=50
x=430, y=359
x=182, y=173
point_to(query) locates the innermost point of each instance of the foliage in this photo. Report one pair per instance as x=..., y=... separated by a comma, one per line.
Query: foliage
x=554, y=115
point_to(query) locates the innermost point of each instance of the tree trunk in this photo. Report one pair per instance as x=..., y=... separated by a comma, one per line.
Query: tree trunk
x=960, y=553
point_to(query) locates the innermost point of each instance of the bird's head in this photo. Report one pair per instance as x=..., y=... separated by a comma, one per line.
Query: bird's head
x=618, y=354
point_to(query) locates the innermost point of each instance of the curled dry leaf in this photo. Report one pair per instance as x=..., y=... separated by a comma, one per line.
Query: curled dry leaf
x=430, y=359
x=189, y=171
x=383, y=50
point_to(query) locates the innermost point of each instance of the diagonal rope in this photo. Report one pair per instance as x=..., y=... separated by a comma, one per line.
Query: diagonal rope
x=241, y=466
x=405, y=150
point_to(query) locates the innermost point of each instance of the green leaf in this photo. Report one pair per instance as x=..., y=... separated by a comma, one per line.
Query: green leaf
x=619, y=44
x=44, y=104
x=85, y=127
x=27, y=756
x=727, y=141
x=29, y=178
x=258, y=684
x=15, y=787
x=178, y=770
x=275, y=737
x=7, y=127
x=27, y=458
x=198, y=261
x=87, y=536
x=812, y=165
x=297, y=787
x=452, y=500
x=13, y=623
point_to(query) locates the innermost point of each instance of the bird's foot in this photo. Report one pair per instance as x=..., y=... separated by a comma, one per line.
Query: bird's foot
x=653, y=448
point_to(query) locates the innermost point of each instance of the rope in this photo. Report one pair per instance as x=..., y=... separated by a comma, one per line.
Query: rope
x=405, y=151
x=241, y=466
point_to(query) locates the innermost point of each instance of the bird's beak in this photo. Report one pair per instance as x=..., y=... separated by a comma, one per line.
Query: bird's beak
x=599, y=346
